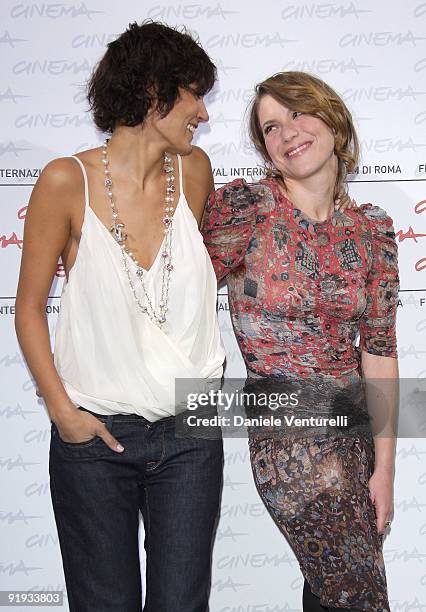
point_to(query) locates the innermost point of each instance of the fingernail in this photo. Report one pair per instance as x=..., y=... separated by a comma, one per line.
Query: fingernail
x=120, y=448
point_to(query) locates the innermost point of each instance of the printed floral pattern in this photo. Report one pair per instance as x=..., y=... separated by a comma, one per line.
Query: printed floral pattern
x=316, y=491
x=300, y=293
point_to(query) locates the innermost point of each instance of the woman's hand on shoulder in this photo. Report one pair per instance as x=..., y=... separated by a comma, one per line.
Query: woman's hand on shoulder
x=197, y=181
x=345, y=202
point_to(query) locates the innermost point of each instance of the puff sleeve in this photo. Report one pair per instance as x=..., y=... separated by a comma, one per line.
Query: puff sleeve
x=228, y=225
x=378, y=322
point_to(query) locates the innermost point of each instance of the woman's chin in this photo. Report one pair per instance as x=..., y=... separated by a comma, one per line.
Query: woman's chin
x=179, y=149
x=303, y=172
x=186, y=150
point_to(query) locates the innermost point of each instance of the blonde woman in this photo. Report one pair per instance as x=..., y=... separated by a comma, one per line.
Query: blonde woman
x=304, y=280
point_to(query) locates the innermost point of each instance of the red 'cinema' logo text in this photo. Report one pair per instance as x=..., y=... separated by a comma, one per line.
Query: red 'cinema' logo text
x=14, y=240
x=410, y=234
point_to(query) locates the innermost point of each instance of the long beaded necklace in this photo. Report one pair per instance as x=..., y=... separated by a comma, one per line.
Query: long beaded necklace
x=117, y=230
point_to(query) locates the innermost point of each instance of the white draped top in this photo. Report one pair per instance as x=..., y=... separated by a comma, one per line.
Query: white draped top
x=109, y=355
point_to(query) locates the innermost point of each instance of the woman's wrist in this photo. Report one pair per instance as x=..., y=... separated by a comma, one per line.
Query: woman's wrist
x=384, y=467
x=61, y=411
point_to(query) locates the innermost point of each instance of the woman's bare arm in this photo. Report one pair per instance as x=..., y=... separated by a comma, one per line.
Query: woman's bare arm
x=381, y=375
x=47, y=234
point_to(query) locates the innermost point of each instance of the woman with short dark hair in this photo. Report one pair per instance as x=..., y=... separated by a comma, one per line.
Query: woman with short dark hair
x=137, y=312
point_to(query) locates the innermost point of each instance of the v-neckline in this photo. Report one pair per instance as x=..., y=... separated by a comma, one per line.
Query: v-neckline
x=146, y=271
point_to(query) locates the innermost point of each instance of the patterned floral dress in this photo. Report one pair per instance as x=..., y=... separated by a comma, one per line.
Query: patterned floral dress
x=300, y=293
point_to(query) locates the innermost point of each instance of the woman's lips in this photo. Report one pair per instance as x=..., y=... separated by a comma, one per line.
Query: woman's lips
x=299, y=150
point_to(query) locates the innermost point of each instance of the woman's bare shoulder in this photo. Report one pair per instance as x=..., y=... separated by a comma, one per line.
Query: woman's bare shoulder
x=59, y=187
x=197, y=180
x=60, y=172
x=197, y=166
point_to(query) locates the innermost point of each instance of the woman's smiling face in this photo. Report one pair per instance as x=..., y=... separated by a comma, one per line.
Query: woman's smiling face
x=300, y=146
x=178, y=126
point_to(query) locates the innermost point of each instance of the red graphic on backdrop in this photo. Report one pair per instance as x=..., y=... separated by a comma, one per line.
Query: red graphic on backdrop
x=13, y=240
x=60, y=271
x=22, y=212
x=420, y=208
x=411, y=234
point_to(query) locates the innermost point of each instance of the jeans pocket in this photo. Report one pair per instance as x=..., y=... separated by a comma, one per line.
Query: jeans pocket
x=84, y=444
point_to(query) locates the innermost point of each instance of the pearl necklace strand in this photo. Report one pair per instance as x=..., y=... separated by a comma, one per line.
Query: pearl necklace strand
x=118, y=233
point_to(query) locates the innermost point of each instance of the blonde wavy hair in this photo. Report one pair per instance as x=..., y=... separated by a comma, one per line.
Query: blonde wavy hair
x=302, y=92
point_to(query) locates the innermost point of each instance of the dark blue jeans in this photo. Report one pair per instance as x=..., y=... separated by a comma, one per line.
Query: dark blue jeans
x=96, y=496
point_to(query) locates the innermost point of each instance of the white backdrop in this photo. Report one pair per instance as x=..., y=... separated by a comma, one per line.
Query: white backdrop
x=374, y=54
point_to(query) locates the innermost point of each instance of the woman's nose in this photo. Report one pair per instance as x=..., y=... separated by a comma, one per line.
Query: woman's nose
x=202, y=112
x=289, y=132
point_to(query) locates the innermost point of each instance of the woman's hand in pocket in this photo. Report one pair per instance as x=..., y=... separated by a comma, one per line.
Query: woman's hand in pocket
x=80, y=426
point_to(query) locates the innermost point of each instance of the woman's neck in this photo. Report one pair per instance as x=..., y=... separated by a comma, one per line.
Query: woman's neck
x=314, y=195
x=136, y=155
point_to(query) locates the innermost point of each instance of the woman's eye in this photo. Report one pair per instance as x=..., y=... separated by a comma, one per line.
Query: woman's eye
x=195, y=93
x=296, y=114
x=268, y=129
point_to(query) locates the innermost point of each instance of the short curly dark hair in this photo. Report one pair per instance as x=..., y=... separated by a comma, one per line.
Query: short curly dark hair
x=143, y=68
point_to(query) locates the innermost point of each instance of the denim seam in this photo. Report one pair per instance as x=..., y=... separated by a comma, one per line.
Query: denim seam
x=148, y=553
x=163, y=452
x=125, y=420
x=64, y=552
